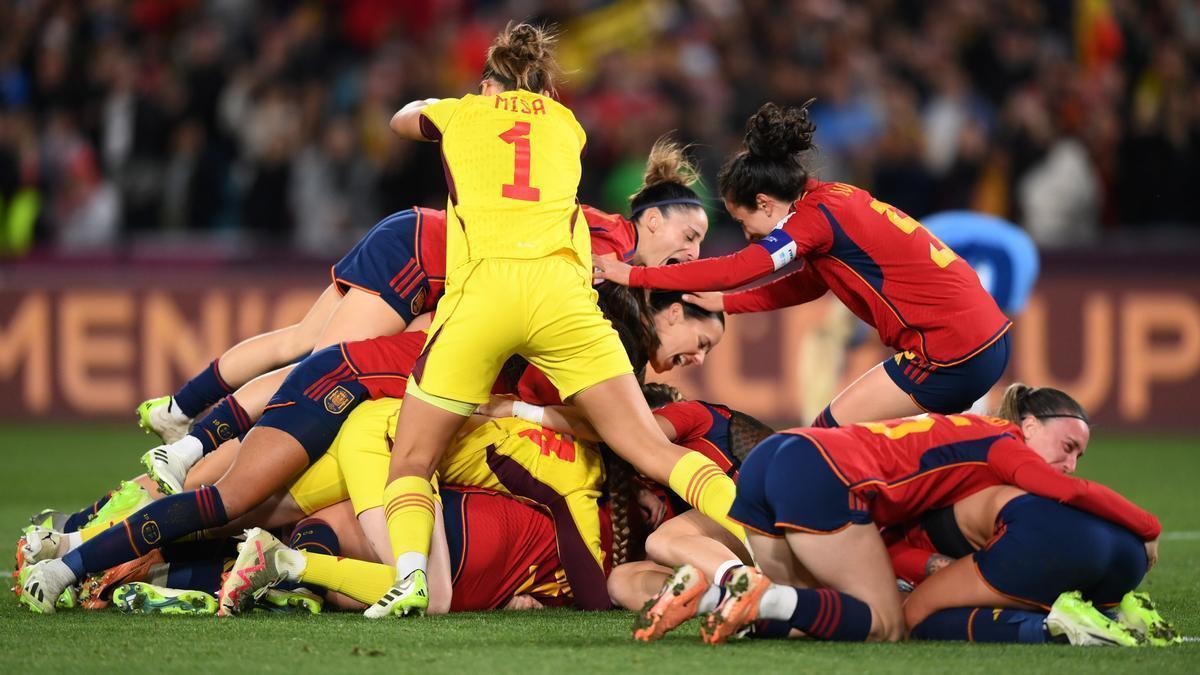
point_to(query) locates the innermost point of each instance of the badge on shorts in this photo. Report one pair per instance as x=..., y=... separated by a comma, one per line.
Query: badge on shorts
x=338, y=400
x=224, y=431
x=418, y=302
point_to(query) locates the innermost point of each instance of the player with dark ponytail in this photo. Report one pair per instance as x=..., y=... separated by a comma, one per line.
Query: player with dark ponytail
x=927, y=304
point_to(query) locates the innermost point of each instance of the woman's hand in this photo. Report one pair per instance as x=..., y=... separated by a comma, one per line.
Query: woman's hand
x=497, y=406
x=654, y=507
x=713, y=301
x=523, y=602
x=610, y=269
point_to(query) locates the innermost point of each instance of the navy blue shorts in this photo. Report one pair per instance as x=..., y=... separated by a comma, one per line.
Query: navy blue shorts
x=385, y=263
x=786, y=484
x=1043, y=548
x=313, y=402
x=949, y=389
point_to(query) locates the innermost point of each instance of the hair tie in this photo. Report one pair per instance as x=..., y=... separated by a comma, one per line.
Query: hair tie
x=691, y=201
x=1081, y=418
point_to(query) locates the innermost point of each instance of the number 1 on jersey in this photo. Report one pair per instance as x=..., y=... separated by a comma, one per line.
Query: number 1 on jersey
x=518, y=136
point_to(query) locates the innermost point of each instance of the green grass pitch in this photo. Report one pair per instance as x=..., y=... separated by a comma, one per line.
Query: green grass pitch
x=66, y=466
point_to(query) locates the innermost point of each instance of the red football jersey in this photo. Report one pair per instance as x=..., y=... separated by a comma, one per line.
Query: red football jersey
x=431, y=253
x=888, y=269
x=702, y=427
x=903, y=468
x=611, y=234
x=501, y=547
x=383, y=364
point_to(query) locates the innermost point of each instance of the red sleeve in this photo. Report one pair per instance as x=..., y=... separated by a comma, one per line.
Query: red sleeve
x=689, y=419
x=708, y=274
x=1018, y=465
x=806, y=230
x=808, y=225
x=909, y=562
x=793, y=289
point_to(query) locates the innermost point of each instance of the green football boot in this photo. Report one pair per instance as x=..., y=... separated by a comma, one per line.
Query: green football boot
x=143, y=598
x=409, y=597
x=161, y=417
x=1138, y=613
x=295, y=601
x=122, y=503
x=1084, y=625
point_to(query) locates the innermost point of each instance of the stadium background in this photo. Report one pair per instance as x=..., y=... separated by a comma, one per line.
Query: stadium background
x=176, y=175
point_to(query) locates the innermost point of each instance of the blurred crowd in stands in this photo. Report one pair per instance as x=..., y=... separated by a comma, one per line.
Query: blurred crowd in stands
x=234, y=125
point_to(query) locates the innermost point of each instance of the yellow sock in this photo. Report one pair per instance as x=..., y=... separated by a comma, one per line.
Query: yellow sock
x=705, y=486
x=364, y=581
x=96, y=527
x=408, y=508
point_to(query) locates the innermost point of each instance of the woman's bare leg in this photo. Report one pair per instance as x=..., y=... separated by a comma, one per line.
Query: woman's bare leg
x=267, y=461
x=262, y=353
x=958, y=585
x=358, y=316
x=694, y=539
x=872, y=397
x=855, y=562
x=632, y=584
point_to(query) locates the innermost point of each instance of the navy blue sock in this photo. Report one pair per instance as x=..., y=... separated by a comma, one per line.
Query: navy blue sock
x=827, y=614
x=158, y=522
x=983, y=624
x=825, y=419
x=226, y=421
x=770, y=629
x=79, y=518
x=198, y=565
x=316, y=536
x=202, y=391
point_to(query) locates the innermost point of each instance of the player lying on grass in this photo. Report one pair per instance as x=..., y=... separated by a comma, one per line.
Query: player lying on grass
x=501, y=553
x=397, y=272
x=814, y=499
x=561, y=475
x=689, y=538
x=682, y=335
x=926, y=303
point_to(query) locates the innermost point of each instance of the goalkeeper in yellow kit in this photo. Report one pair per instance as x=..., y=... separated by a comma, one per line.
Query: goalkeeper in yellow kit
x=518, y=282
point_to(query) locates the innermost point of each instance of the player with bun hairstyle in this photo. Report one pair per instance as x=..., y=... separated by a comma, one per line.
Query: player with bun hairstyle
x=884, y=266
x=686, y=551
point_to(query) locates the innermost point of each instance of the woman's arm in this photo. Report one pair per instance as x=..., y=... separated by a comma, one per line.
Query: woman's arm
x=708, y=274
x=1020, y=466
x=793, y=289
x=406, y=123
x=564, y=419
